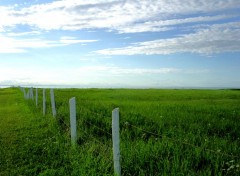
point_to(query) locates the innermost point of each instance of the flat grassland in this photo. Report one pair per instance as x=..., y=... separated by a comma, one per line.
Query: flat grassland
x=163, y=132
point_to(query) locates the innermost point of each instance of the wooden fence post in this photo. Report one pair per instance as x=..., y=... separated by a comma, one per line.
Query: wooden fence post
x=53, y=103
x=73, y=123
x=44, y=102
x=116, y=141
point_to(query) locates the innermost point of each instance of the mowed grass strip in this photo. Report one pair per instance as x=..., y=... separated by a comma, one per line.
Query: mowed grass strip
x=28, y=141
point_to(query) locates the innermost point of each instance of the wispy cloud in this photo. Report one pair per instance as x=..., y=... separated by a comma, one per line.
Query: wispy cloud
x=215, y=39
x=22, y=34
x=113, y=70
x=73, y=40
x=166, y=25
x=132, y=16
x=12, y=45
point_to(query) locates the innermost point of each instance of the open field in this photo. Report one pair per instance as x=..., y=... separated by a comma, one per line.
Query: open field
x=163, y=132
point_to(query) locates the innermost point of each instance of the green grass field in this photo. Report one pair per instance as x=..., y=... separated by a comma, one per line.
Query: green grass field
x=163, y=132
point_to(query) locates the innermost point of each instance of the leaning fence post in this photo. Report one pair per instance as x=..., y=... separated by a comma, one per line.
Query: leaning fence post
x=116, y=141
x=44, y=102
x=36, y=96
x=73, y=124
x=53, y=103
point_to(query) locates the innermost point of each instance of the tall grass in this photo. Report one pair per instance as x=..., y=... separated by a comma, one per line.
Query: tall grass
x=163, y=132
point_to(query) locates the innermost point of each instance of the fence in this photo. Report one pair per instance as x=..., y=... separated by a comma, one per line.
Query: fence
x=29, y=95
x=115, y=127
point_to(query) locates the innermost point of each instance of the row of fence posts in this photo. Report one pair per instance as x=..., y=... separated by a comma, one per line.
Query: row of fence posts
x=73, y=122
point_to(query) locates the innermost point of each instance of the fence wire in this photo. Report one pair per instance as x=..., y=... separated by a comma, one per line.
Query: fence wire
x=99, y=128
x=107, y=148
x=62, y=121
x=178, y=141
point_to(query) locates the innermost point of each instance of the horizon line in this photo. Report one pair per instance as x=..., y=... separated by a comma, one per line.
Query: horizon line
x=119, y=87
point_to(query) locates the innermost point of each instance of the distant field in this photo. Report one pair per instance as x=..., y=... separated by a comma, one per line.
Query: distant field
x=163, y=132
x=208, y=119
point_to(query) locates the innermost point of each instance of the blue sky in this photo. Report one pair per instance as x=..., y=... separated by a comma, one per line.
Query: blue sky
x=120, y=43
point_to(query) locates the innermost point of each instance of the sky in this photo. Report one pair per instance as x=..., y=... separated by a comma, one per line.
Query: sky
x=120, y=43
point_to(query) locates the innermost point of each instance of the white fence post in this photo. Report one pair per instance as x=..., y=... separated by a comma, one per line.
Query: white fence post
x=53, y=103
x=116, y=141
x=28, y=94
x=44, y=102
x=25, y=94
x=31, y=93
x=73, y=124
x=36, y=96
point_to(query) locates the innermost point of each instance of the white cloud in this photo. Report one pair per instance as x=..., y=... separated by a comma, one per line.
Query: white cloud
x=73, y=40
x=113, y=70
x=119, y=15
x=216, y=39
x=165, y=25
x=7, y=18
x=12, y=45
x=19, y=34
x=123, y=16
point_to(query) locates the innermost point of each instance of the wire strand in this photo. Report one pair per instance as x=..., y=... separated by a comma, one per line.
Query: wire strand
x=99, y=128
x=67, y=125
x=107, y=148
x=186, y=143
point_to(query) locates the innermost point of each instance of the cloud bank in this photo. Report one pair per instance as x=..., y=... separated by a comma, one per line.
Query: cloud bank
x=215, y=39
x=123, y=16
x=203, y=18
